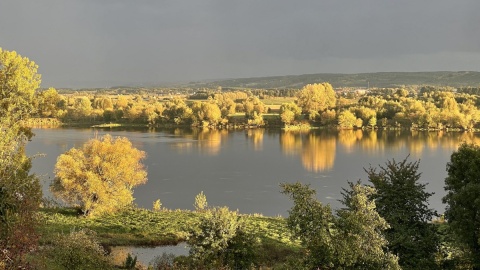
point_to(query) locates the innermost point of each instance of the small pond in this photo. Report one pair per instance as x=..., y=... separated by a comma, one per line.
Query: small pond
x=146, y=255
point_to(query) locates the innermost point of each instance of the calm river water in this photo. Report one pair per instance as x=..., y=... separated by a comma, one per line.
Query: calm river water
x=243, y=169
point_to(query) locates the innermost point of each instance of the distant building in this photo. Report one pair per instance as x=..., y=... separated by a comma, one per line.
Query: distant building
x=360, y=92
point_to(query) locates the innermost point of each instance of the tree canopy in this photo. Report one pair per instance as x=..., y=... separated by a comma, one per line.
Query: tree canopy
x=352, y=239
x=316, y=97
x=463, y=199
x=20, y=191
x=221, y=240
x=411, y=237
x=99, y=176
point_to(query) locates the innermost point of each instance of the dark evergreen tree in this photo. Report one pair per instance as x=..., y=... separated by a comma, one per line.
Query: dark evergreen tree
x=463, y=199
x=403, y=202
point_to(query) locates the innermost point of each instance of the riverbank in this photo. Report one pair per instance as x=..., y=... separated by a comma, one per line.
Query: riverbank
x=142, y=227
x=272, y=121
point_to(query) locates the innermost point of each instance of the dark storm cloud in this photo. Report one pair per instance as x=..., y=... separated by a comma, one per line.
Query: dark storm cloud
x=102, y=43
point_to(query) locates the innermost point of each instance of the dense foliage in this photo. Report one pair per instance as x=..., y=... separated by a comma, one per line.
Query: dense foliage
x=221, y=241
x=402, y=200
x=426, y=107
x=99, y=177
x=352, y=239
x=78, y=250
x=463, y=200
x=20, y=191
x=316, y=97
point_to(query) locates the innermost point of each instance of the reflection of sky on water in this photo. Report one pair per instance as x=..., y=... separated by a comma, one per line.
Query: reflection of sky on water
x=242, y=169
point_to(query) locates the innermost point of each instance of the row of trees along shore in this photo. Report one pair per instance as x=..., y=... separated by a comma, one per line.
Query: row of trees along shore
x=426, y=107
x=371, y=231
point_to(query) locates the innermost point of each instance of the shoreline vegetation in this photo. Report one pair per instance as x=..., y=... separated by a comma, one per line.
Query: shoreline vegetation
x=425, y=108
x=56, y=123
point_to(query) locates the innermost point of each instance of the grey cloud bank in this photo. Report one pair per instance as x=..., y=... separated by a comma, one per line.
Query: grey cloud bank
x=86, y=43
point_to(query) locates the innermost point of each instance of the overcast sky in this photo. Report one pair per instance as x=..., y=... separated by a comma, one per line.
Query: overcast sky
x=87, y=43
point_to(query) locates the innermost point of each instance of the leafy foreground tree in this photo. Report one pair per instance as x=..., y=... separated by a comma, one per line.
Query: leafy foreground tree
x=351, y=240
x=463, y=200
x=99, y=177
x=20, y=191
x=221, y=241
x=402, y=201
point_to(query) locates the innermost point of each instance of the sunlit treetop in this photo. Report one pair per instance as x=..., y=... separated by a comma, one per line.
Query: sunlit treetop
x=18, y=82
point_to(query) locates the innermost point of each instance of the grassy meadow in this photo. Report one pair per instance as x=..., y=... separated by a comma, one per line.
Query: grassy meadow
x=142, y=227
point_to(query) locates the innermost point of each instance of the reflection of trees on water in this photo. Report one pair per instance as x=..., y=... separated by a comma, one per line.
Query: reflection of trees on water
x=418, y=141
x=319, y=153
x=256, y=136
x=316, y=150
x=206, y=141
x=374, y=141
x=290, y=144
x=210, y=141
x=348, y=138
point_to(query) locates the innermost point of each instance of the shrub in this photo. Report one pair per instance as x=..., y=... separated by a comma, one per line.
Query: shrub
x=78, y=250
x=130, y=262
x=157, y=205
x=164, y=261
x=200, y=202
x=221, y=241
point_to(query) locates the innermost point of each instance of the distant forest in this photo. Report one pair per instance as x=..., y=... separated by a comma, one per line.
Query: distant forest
x=364, y=80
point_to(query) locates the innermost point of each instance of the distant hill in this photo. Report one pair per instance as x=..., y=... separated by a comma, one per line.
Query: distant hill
x=378, y=79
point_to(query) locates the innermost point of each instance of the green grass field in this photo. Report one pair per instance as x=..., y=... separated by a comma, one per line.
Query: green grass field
x=146, y=227
x=141, y=227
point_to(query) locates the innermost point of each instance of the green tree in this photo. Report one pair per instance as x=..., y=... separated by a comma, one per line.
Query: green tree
x=20, y=191
x=352, y=239
x=360, y=241
x=463, y=204
x=99, y=176
x=411, y=237
x=220, y=240
x=312, y=223
x=316, y=97
x=77, y=251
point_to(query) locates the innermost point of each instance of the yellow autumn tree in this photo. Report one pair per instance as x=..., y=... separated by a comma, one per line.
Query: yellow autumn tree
x=99, y=177
x=20, y=190
x=316, y=97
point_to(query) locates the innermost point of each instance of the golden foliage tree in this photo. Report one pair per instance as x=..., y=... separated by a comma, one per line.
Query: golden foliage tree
x=99, y=176
x=316, y=97
x=20, y=191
